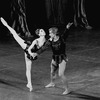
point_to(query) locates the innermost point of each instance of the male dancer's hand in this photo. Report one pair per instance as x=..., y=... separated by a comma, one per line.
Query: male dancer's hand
x=68, y=25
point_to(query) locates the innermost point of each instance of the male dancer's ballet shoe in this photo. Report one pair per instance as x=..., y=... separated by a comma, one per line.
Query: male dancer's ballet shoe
x=30, y=87
x=65, y=92
x=50, y=85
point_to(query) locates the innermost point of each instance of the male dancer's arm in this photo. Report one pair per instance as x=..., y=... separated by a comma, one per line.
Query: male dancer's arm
x=42, y=49
x=66, y=31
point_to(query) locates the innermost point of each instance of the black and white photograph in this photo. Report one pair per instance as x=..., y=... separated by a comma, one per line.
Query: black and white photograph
x=49, y=50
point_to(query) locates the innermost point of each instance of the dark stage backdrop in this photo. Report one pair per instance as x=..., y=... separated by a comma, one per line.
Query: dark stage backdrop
x=37, y=13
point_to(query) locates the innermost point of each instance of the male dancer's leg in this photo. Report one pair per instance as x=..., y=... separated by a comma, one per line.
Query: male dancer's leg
x=62, y=67
x=53, y=73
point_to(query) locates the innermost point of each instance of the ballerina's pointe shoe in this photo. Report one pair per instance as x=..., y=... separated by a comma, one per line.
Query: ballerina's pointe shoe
x=50, y=85
x=3, y=21
x=30, y=87
x=65, y=92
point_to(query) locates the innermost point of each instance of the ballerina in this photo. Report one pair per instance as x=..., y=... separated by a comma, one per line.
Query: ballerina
x=28, y=48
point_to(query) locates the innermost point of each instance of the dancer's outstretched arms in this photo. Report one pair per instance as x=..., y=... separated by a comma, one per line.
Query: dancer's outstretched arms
x=66, y=32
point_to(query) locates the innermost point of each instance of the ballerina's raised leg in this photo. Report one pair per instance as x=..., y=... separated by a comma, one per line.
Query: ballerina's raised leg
x=20, y=41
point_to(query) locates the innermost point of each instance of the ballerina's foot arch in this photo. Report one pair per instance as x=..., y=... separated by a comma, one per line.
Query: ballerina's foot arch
x=3, y=21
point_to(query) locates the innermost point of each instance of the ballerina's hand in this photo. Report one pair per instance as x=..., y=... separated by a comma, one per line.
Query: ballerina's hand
x=3, y=21
x=34, y=55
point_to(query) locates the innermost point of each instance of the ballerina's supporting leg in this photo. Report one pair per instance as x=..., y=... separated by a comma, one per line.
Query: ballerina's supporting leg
x=28, y=72
x=19, y=40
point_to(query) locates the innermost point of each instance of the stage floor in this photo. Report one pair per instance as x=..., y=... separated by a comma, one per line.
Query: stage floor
x=82, y=72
